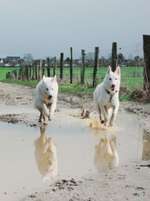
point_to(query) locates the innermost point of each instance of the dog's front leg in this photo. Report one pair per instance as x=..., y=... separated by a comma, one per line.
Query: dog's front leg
x=45, y=113
x=104, y=111
x=103, y=115
x=49, y=110
x=52, y=110
x=49, y=116
x=114, y=114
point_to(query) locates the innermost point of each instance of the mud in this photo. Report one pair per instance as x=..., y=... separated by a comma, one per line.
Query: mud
x=81, y=174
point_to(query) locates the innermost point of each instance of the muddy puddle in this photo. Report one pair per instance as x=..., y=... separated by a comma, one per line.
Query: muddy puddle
x=31, y=157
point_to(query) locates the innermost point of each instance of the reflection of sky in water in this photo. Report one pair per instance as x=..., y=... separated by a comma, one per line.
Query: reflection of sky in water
x=79, y=149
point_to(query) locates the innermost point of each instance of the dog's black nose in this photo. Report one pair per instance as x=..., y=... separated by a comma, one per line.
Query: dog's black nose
x=50, y=96
x=113, y=86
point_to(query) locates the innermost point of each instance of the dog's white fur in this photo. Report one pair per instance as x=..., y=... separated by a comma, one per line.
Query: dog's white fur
x=106, y=97
x=46, y=97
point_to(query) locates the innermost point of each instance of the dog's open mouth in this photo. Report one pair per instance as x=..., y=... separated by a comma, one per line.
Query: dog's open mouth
x=112, y=88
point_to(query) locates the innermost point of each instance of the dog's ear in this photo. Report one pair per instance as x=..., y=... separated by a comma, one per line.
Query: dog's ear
x=117, y=71
x=55, y=78
x=43, y=77
x=109, y=69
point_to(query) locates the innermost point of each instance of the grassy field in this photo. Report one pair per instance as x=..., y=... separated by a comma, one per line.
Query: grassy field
x=131, y=79
x=4, y=71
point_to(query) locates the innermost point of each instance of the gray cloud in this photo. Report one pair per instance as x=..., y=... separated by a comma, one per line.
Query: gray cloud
x=46, y=27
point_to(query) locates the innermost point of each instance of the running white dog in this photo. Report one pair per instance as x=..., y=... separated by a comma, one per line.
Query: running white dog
x=46, y=97
x=106, y=96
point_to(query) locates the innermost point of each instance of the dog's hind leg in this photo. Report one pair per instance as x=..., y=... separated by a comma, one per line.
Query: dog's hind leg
x=106, y=115
x=40, y=118
x=99, y=112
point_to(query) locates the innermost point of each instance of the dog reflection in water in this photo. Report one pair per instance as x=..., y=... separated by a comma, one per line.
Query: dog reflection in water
x=106, y=155
x=46, y=156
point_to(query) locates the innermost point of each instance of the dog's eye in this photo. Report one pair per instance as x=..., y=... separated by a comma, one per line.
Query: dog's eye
x=115, y=78
x=47, y=89
x=110, y=78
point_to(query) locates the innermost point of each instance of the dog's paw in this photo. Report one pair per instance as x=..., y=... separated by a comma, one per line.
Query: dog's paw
x=45, y=123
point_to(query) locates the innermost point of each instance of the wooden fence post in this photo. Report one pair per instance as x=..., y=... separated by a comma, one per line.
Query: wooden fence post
x=96, y=63
x=30, y=72
x=33, y=71
x=40, y=69
x=26, y=72
x=34, y=77
x=82, y=66
x=20, y=73
x=54, y=66
x=36, y=70
x=146, y=48
x=114, y=56
x=61, y=65
x=48, y=67
x=43, y=67
x=71, y=65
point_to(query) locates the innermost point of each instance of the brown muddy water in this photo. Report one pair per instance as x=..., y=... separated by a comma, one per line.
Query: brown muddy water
x=31, y=157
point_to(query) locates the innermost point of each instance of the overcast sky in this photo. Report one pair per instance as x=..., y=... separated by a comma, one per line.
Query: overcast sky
x=47, y=27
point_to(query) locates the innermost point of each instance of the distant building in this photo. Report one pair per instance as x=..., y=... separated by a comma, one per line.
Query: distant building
x=12, y=60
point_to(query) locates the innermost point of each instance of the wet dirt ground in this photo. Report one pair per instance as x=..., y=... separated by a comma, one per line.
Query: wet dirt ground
x=93, y=164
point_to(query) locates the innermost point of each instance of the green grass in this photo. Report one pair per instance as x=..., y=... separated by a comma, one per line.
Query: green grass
x=75, y=89
x=131, y=79
x=4, y=71
x=63, y=88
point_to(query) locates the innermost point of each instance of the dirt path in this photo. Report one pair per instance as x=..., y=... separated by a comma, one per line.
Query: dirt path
x=21, y=96
x=126, y=183
x=130, y=181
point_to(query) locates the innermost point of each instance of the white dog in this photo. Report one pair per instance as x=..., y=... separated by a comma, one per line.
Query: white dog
x=46, y=97
x=106, y=96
